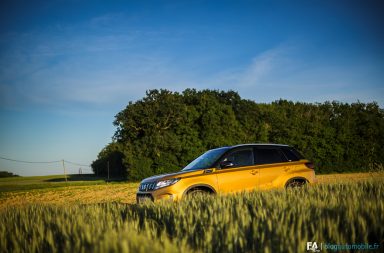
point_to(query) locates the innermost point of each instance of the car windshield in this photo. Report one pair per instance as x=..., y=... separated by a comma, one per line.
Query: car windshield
x=206, y=160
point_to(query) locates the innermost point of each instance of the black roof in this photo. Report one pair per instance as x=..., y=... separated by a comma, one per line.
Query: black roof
x=252, y=145
x=260, y=144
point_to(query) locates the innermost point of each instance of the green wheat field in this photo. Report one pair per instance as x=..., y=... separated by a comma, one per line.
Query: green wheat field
x=268, y=221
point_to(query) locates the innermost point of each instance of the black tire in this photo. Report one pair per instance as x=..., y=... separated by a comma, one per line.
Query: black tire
x=197, y=193
x=295, y=183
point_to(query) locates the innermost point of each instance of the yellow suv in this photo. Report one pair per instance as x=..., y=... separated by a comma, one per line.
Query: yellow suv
x=232, y=169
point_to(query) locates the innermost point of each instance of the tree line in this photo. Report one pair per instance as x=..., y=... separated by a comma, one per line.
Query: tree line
x=165, y=130
x=7, y=174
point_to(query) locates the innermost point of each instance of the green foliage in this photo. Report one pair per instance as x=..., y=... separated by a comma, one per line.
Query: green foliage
x=110, y=156
x=269, y=221
x=7, y=174
x=166, y=130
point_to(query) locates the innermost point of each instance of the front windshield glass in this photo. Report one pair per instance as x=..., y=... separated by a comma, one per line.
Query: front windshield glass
x=206, y=160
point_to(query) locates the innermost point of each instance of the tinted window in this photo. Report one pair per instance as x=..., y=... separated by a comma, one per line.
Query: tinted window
x=241, y=158
x=269, y=155
x=292, y=154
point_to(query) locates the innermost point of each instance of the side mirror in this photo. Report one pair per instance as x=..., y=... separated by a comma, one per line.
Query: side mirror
x=226, y=164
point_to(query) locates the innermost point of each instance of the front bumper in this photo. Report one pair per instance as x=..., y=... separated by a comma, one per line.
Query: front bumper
x=143, y=197
x=170, y=193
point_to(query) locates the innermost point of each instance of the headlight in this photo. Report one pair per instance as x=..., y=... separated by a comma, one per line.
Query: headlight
x=165, y=183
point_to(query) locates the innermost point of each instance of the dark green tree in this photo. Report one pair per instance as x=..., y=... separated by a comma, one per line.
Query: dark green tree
x=165, y=130
x=7, y=174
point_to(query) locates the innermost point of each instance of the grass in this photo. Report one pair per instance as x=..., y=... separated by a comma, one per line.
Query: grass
x=12, y=184
x=54, y=189
x=269, y=221
x=88, y=189
x=87, y=214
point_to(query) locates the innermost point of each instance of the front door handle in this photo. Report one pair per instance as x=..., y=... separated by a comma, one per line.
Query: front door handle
x=208, y=170
x=254, y=172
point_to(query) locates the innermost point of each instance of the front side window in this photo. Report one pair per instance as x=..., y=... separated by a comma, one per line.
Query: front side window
x=269, y=155
x=240, y=158
x=206, y=160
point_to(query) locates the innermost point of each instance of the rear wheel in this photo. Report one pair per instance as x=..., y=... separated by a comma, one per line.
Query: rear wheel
x=296, y=183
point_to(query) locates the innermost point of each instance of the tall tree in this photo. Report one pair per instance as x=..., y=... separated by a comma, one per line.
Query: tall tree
x=165, y=130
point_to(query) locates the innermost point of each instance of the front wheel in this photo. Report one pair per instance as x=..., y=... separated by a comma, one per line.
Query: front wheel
x=198, y=193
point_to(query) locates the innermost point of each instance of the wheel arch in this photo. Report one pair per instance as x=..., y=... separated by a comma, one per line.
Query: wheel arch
x=205, y=187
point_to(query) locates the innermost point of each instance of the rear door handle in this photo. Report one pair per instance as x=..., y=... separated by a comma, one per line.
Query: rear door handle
x=287, y=169
x=254, y=172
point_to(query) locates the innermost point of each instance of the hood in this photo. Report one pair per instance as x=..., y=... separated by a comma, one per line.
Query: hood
x=179, y=174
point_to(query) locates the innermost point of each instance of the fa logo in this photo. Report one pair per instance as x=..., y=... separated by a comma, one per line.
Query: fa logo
x=312, y=246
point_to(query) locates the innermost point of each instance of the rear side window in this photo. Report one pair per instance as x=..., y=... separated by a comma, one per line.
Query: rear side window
x=292, y=154
x=269, y=155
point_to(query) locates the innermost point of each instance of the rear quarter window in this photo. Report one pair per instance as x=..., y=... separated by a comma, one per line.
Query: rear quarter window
x=269, y=155
x=292, y=154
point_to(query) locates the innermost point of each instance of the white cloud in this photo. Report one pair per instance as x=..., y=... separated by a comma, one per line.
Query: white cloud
x=36, y=68
x=286, y=72
x=261, y=67
x=108, y=69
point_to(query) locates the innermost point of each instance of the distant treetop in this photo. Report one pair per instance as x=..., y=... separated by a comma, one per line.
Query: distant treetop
x=7, y=174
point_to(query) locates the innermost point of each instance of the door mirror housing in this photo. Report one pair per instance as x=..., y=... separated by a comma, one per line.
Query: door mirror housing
x=226, y=164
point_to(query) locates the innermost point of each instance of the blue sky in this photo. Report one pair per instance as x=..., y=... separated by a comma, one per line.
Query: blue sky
x=68, y=67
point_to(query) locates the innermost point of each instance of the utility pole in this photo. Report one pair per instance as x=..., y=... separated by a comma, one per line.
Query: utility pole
x=65, y=173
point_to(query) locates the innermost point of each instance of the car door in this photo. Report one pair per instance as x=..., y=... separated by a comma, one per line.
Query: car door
x=240, y=173
x=272, y=164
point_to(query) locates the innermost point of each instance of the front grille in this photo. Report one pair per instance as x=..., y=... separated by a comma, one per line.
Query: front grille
x=146, y=187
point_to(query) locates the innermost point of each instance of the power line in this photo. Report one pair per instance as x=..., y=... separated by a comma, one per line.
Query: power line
x=21, y=161
x=78, y=164
x=46, y=162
